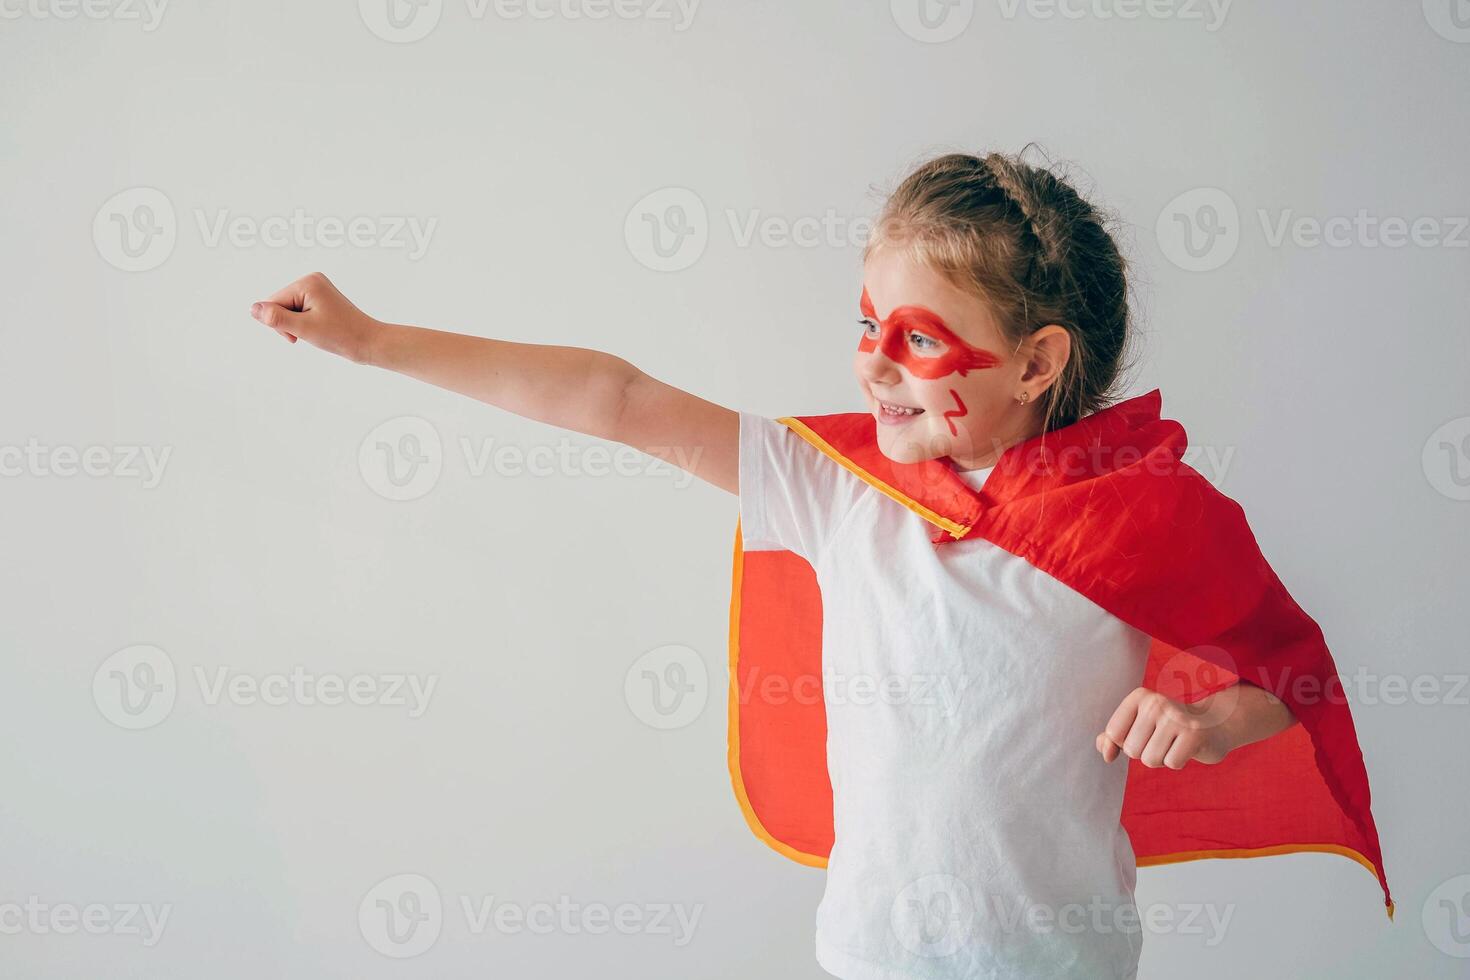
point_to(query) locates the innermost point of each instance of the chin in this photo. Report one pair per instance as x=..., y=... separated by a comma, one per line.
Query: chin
x=912, y=445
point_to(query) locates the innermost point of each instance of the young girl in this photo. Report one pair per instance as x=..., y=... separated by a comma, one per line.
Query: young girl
x=988, y=616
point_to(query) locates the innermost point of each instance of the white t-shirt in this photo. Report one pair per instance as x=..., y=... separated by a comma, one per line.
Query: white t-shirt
x=977, y=828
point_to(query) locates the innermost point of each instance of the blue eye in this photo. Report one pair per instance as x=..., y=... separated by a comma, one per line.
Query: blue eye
x=922, y=342
x=869, y=327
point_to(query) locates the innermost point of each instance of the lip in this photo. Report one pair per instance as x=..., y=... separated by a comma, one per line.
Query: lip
x=885, y=419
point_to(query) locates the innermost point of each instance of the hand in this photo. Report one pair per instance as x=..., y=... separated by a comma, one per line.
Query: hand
x=1159, y=731
x=312, y=309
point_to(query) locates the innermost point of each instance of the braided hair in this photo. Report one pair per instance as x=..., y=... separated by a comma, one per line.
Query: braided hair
x=1021, y=238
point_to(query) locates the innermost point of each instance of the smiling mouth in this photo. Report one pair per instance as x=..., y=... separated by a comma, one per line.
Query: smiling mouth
x=893, y=410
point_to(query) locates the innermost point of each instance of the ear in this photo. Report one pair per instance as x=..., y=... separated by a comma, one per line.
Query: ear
x=1050, y=348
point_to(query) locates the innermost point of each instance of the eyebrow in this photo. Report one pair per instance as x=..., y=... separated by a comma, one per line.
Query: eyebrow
x=921, y=317
x=912, y=316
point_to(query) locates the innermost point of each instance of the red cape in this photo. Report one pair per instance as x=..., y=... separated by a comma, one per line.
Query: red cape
x=1107, y=507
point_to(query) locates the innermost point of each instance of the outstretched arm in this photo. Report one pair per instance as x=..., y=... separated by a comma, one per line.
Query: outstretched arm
x=574, y=388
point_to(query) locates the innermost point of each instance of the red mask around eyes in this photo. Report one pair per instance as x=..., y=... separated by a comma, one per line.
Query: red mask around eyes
x=893, y=340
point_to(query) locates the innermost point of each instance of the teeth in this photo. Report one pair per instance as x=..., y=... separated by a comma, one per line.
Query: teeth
x=898, y=410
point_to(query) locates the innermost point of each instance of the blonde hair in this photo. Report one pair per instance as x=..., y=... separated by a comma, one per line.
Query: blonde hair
x=1023, y=240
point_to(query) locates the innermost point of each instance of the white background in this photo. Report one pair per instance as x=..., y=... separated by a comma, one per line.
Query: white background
x=1325, y=372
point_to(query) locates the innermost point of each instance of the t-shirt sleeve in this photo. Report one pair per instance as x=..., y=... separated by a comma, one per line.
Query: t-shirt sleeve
x=791, y=495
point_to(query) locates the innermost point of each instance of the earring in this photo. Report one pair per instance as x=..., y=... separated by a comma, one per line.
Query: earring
x=1024, y=397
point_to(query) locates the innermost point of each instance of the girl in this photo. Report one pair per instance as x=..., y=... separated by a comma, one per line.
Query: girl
x=987, y=614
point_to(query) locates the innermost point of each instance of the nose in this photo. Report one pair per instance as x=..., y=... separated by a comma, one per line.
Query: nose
x=877, y=367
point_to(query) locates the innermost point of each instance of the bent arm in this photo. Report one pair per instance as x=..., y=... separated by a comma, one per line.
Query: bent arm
x=1258, y=714
x=1159, y=731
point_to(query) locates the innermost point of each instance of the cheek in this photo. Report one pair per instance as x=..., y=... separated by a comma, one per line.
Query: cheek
x=960, y=411
x=939, y=394
x=959, y=404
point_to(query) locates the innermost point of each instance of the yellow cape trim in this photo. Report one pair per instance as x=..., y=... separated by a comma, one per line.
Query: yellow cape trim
x=1250, y=852
x=955, y=529
x=736, y=780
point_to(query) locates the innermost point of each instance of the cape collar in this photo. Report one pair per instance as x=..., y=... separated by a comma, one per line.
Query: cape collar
x=1110, y=442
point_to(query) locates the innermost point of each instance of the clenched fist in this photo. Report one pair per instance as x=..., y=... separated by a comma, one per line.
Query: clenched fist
x=1159, y=731
x=313, y=309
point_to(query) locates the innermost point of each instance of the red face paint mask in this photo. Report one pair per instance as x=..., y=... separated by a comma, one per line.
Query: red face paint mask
x=893, y=340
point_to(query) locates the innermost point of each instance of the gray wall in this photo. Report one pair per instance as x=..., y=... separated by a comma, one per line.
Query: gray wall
x=153, y=162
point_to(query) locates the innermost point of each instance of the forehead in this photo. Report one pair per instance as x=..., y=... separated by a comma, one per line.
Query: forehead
x=892, y=280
